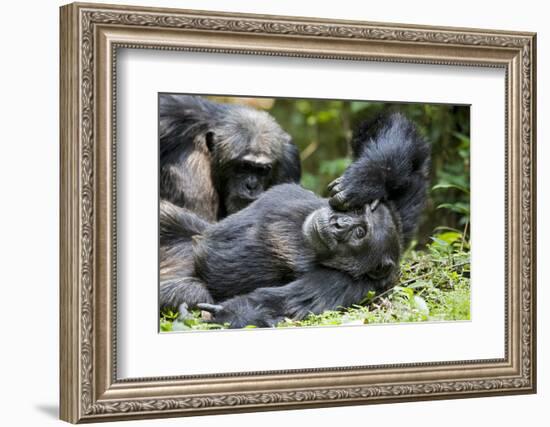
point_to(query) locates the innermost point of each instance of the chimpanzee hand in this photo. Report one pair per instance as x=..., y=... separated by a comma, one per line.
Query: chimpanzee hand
x=241, y=311
x=391, y=163
x=222, y=315
x=346, y=193
x=338, y=198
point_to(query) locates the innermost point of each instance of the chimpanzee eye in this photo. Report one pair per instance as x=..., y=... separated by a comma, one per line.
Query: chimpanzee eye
x=259, y=169
x=360, y=232
x=263, y=169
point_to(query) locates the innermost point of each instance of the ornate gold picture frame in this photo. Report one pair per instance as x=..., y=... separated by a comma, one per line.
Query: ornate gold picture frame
x=91, y=34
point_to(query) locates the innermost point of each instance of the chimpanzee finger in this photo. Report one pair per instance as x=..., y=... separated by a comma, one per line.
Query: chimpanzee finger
x=337, y=189
x=339, y=202
x=334, y=183
x=211, y=308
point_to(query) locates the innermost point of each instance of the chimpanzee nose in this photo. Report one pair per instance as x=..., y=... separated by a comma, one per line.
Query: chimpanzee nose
x=340, y=225
x=341, y=222
x=251, y=184
x=382, y=270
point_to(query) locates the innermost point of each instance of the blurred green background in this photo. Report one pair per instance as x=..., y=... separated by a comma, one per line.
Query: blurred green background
x=322, y=130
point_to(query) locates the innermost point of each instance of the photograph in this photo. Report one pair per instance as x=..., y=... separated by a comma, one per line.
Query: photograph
x=283, y=213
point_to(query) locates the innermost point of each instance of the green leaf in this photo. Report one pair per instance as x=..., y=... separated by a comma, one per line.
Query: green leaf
x=165, y=326
x=356, y=107
x=406, y=292
x=458, y=207
x=334, y=167
x=450, y=236
x=409, y=292
x=168, y=314
x=462, y=138
x=447, y=185
x=445, y=228
x=311, y=120
x=309, y=181
x=420, y=284
x=191, y=322
x=327, y=116
x=367, y=299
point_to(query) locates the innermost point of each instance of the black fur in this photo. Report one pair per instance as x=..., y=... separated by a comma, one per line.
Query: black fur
x=391, y=162
x=217, y=158
x=178, y=224
x=178, y=228
x=286, y=255
x=290, y=253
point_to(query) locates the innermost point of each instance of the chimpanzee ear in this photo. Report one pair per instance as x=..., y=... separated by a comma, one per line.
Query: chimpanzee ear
x=288, y=167
x=209, y=138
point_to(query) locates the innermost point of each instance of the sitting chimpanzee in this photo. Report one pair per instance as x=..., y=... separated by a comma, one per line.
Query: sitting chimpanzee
x=215, y=159
x=291, y=253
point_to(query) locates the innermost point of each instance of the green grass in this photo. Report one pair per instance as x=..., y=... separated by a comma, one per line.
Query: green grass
x=434, y=286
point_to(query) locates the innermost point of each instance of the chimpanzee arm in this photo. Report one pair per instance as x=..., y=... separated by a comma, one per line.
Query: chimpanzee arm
x=391, y=164
x=315, y=292
x=183, y=290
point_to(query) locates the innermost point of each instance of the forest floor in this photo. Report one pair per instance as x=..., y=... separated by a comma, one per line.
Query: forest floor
x=434, y=285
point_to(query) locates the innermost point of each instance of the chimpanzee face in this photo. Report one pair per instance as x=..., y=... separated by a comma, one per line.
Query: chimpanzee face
x=247, y=178
x=248, y=157
x=362, y=243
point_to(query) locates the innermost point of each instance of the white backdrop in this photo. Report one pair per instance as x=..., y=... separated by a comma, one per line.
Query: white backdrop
x=29, y=215
x=137, y=239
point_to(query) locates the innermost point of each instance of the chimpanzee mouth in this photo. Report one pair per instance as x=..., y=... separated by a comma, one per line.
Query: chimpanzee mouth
x=245, y=198
x=236, y=203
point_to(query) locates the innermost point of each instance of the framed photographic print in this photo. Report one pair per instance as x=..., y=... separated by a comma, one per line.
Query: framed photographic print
x=265, y=212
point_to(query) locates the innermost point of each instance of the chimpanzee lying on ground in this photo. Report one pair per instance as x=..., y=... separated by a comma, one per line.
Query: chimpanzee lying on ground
x=290, y=253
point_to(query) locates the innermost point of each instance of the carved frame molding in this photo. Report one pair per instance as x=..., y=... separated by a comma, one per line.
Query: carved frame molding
x=90, y=36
